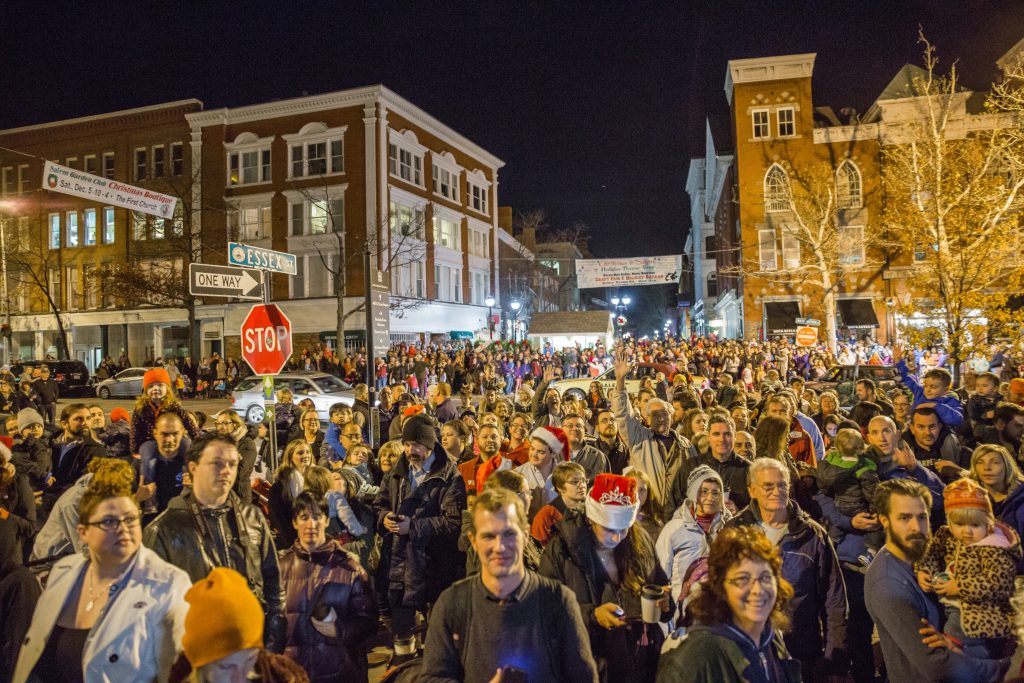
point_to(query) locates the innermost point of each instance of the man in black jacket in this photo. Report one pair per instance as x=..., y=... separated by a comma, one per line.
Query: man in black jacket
x=730, y=466
x=419, y=514
x=210, y=526
x=809, y=563
x=72, y=450
x=46, y=392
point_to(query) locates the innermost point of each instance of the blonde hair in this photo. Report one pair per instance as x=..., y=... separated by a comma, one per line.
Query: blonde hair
x=849, y=443
x=1012, y=477
x=970, y=516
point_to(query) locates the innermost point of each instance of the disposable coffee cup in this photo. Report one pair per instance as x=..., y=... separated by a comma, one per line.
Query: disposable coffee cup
x=649, y=598
x=405, y=645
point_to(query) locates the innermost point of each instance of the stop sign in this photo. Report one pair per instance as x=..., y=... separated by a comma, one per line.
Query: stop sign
x=266, y=339
x=806, y=336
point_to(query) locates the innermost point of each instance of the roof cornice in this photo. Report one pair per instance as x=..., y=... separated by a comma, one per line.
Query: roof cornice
x=96, y=118
x=764, y=69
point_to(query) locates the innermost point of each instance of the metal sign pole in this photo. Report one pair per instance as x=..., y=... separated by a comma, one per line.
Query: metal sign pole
x=373, y=429
x=269, y=400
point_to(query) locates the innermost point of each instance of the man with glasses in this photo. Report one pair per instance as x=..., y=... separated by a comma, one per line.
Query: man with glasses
x=809, y=563
x=209, y=526
x=333, y=451
x=349, y=437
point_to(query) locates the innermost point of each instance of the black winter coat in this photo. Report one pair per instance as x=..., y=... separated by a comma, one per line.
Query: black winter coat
x=733, y=473
x=426, y=560
x=32, y=457
x=810, y=564
x=570, y=557
x=247, y=454
x=19, y=592
x=69, y=469
x=176, y=537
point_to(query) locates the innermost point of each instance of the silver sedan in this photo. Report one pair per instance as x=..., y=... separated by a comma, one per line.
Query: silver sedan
x=323, y=389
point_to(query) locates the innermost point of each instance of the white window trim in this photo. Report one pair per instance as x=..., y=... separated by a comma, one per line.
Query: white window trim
x=446, y=161
x=847, y=240
x=152, y=161
x=769, y=206
x=854, y=200
x=790, y=243
x=406, y=140
x=320, y=195
x=476, y=177
x=768, y=123
x=778, y=122
x=103, y=164
x=135, y=163
x=762, y=233
x=250, y=201
x=247, y=142
x=316, y=132
x=85, y=163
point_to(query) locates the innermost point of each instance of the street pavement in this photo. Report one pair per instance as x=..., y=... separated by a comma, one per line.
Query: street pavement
x=209, y=406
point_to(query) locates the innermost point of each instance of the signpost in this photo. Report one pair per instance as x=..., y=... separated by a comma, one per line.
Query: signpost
x=377, y=306
x=205, y=279
x=806, y=336
x=264, y=259
x=266, y=347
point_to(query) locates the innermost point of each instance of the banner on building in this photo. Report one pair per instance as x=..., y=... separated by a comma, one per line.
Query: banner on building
x=106, y=191
x=628, y=272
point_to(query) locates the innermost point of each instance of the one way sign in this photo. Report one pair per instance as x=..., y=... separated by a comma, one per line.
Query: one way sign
x=210, y=280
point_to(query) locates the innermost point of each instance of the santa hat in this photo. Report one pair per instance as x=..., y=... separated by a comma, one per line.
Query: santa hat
x=965, y=494
x=612, y=501
x=554, y=438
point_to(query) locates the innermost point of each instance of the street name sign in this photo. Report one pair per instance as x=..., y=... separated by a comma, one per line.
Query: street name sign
x=264, y=259
x=79, y=184
x=205, y=279
x=379, y=319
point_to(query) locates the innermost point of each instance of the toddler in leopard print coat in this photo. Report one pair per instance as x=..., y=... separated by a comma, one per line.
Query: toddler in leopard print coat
x=971, y=563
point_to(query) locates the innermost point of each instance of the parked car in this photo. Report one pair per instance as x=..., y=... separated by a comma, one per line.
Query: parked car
x=578, y=388
x=842, y=378
x=71, y=376
x=324, y=390
x=125, y=384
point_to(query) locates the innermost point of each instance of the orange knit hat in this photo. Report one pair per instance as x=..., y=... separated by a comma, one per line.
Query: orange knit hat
x=966, y=494
x=155, y=375
x=223, y=618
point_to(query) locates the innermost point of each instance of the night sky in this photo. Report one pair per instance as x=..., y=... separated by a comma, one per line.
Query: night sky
x=596, y=107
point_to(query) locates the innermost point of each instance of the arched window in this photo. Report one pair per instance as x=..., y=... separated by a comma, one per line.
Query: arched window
x=776, y=190
x=712, y=285
x=848, y=186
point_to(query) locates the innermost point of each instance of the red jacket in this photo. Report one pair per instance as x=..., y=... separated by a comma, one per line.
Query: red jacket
x=800, y=446
x=519, y=456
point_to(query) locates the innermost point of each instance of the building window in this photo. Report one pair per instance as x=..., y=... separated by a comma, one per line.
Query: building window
x=478, y=288
x=7, y=184
x=54, y=288
x=89, y=219
x=252, y=221
x=298, y=281
x=405, y=164
x=317, y=158
x=90, y=164
x=761, y=127
x=479, y=245
x=776, y=190
x=767, y=250
x=251, y=166
x=72, y=229
x=320, y=275
x=709, y=246
x=712, y=290
x=851, y=244
x=318, y=217
x=448, y=280
x=108, y=165
x=158, y=161
x=72, y=162
x=54, y=231
x=91, y=288
x=138, y=225
x=177, y=159
x=787, y=122
x=477, y=197
x=407, y=280
x=140, y=163
x=406, y=221
x=23, y=179
x=790, y=250
x=446, y=182
x=158, y=227
x=848, y=186
x=74, y=292
x=447, y=234
x=108, y=225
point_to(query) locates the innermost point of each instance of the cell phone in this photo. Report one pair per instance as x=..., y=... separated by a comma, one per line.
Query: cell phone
x=511, y=674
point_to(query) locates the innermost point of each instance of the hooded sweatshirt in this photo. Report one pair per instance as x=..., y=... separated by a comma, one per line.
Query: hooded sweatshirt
x=682, y=541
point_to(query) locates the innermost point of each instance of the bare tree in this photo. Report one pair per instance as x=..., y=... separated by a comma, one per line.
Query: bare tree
x=30, y=265
x=953, y=187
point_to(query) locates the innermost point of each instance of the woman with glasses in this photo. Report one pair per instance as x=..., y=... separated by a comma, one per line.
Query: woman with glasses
x=570, y=481
x=740, y=614
x=114, y=613
x=230, y=423
x=309, y=431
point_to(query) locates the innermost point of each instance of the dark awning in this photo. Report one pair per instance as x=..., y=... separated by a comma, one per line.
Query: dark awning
x=780, y=317
x=856, y=314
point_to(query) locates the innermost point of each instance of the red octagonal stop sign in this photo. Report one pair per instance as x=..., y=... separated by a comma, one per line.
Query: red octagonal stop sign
x=266, y=339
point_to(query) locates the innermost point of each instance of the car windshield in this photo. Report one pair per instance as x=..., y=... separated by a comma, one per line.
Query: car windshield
x=329, y=384
x=247, y=384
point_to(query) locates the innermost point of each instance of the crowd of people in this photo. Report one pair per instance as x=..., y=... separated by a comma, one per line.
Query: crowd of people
x=727, y=521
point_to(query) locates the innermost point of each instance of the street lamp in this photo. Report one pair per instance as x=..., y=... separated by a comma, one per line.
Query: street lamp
x=490, y=315
x=620, y=304
x=515, y=319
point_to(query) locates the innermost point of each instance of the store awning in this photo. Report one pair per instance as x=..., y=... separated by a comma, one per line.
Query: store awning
x=460, y=334
x=780, y=317
x=856, y=314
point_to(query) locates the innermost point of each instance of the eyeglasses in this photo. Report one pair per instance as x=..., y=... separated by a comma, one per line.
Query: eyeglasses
x=351, y=436
x=224, y=423
x=113, y=523
x=767, y=580
x=576, y=482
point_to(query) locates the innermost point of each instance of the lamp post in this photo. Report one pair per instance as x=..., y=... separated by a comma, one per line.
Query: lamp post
x=515, y=319
x=490, y=316
x=620, y=304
